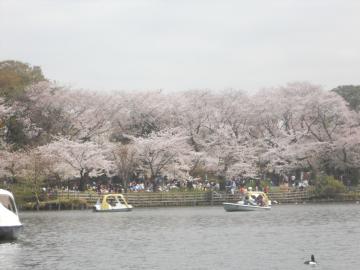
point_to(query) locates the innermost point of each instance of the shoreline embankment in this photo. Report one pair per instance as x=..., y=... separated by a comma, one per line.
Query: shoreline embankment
x=85, y=200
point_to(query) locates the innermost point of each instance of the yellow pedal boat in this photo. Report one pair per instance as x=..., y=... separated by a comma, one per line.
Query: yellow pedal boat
x=112, y=203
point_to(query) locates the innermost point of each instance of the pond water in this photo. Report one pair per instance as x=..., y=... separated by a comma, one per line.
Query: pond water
x=188, y=238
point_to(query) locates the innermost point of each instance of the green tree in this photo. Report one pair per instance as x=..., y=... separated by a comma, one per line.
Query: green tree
x=15, y=134
x=351, y=93
x=15, y=76
x=328, y=187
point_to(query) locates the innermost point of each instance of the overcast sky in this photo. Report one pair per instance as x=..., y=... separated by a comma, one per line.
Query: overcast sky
x=185, y=44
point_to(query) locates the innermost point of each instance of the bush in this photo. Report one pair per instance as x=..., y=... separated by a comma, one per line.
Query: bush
x=65, y=204
x=328, y=187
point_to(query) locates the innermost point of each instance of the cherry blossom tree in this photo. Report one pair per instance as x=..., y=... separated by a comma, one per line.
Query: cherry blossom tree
x=159, y=150
x=81, y=115
x=30, y=168
x=4, y=111
x=196, y=109
x=10, y=164
x=79, y=159
x=304, y=126
x=299, y=126
x=125, y=158
x=235, y=110
x=3, y=108
x=141, y=114
x=36, y=168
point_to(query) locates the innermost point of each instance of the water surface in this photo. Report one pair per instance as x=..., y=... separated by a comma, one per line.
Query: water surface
x=188, y=238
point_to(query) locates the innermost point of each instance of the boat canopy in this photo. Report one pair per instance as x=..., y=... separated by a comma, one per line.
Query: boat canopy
x=111, y=199
x=7, y=200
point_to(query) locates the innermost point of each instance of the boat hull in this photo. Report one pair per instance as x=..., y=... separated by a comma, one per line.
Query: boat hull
x=9, y=232
x=113, y=210
x=231, y=207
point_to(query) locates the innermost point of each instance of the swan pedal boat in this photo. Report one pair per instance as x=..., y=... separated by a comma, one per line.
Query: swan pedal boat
x=250, y=203
x=10, y=225
x=112, y=203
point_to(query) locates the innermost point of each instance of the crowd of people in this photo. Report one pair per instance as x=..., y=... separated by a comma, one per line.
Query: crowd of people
x=232, y=186
x=145, y=186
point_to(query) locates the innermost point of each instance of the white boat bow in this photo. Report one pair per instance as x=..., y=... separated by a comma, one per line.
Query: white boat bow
x=10, y=224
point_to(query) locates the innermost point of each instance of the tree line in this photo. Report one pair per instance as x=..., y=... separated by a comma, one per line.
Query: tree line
x=54, y=133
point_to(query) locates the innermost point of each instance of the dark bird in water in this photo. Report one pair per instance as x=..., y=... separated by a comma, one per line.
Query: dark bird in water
x=312, y=261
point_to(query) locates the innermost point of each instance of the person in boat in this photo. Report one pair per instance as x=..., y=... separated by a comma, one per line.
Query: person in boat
x=250, y=200
x=246, y=200
x=312, y=260
x=260, y=200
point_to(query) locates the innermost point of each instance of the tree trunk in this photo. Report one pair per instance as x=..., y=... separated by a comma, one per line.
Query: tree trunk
x=84, y=177
x=37, y=200
x=153, y=181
